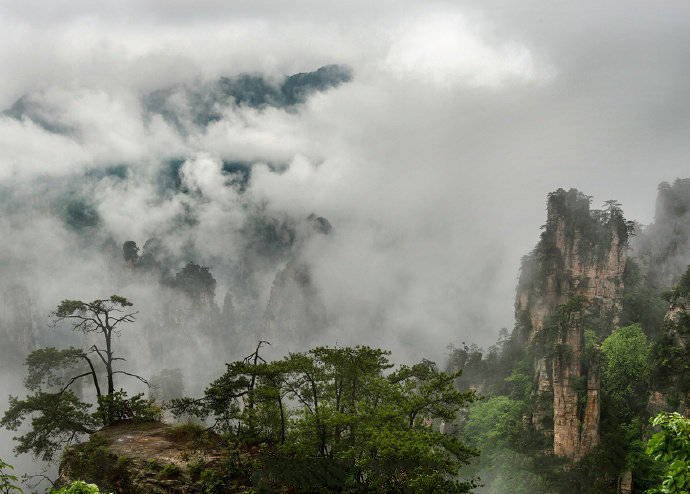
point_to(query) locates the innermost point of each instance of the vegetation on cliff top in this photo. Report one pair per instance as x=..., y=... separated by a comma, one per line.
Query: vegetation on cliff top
x=340, y=419
x=57, y=416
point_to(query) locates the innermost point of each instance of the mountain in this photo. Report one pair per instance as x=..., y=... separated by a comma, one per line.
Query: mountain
x=599, y=346
x=573, y=280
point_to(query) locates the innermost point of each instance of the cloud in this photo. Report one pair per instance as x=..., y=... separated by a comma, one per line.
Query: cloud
x=446, y=49
x=431, y=164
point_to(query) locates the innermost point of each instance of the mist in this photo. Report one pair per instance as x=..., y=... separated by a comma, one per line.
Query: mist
x=426, y=136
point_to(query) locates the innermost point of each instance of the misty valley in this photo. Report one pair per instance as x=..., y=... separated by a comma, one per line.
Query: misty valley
x=344, y=247
x=168, y=391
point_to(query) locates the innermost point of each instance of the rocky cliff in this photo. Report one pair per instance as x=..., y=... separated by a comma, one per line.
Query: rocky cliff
x=571, y=282
x=663, y=248
x=295, y=312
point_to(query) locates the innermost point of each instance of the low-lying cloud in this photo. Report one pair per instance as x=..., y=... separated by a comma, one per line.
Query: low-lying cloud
x=431, y=161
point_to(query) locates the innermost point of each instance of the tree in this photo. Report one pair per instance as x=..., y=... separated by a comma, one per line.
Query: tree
x=58, y=416
x=626, y=369
x=102, y=317
x=7, y=480
x=341, y=418
x=671, y=447
x=496, y=421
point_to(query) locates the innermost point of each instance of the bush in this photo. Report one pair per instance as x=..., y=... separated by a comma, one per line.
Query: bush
x=118, y=408
x=170, y=471
x=671, y=448
x=79, y=487
x=190, y=432
x=96, y=464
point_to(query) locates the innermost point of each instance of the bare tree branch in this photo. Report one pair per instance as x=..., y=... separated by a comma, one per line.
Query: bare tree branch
x=72, y=381
x=129, y=317
x=95, y=349
x=133, y=375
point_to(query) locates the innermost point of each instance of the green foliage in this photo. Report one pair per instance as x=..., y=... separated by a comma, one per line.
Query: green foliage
x=508, y=462
x=170, y=471
x=69, y=308
x=212, y=481
x=94, y=462
x=190, y=432
x=78, y=487
x=671, y=352
x=137, y=409
x=344, y=409
x=671, y=447
x=642, y=303
x=7, y=479
x=520, y=382
x=47, y=367
x=56, y=420
x=626, y=368
x=57, y=416
x=497, y=420
x=678, y=296
x=197, y=282
x=592, y=341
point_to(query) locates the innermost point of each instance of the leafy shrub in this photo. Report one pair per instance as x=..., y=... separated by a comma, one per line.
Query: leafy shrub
x=79, y=487
x=118, y=408
x=671, y=448
x=170, y=471
x=212, y=481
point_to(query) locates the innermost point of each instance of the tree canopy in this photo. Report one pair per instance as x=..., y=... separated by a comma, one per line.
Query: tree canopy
x=359, y=422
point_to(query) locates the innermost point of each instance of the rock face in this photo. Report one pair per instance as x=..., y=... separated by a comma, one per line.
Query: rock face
x=572, y=281
x=295, y=311
x=662, y=249
x=153, y=458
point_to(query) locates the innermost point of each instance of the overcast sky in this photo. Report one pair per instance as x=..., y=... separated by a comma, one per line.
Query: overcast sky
x=432, y=164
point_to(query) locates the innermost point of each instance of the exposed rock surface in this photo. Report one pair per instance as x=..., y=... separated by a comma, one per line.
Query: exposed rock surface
x=150, y=459
x=573, y=280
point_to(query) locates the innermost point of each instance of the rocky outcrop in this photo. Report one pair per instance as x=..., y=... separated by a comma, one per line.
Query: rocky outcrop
x=589, y=436
x=295, y=311
x=625, y=483
x=571, y=281
x=663, y=248
x=155, y=458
